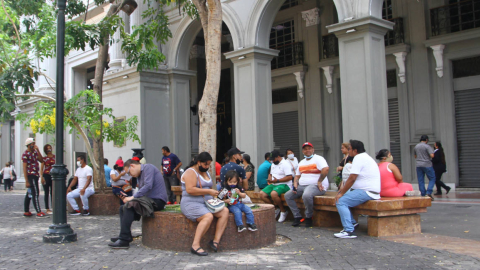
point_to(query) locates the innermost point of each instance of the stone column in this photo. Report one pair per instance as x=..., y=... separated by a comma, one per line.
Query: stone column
x=47, y=86
x=363, y=81
x=253, y=100
x=117, y=57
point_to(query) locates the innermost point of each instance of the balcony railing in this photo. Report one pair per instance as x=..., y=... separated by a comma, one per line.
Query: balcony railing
x=455, y=17
x=290, y=55
x=395, y=36
x=330, y=46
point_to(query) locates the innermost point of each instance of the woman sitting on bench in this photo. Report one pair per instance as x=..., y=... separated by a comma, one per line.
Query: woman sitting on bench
x=392, y=184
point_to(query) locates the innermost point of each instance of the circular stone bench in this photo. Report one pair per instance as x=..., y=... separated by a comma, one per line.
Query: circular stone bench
x=173, y=231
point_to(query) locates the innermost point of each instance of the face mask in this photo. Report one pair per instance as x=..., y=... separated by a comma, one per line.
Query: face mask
x=79, y=164
x=238, y=161
x=233, y=186
x=276, y=162
x=49, y=150
x=120, y=169
x=308, y=157
x=202, y=169
x=389, y=159
x=291, y=156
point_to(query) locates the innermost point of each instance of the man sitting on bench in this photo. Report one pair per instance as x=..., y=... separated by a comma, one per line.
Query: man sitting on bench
x=364, y=181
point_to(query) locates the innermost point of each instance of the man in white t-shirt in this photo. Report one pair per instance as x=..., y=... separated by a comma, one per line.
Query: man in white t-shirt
x=279, y=182
x=83, y=175
x=364, y=181
x=310, y=181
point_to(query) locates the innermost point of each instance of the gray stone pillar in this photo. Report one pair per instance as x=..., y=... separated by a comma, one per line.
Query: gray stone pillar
x=117, y=57
x=47, y=86
x=253, y=100
x=363, y=81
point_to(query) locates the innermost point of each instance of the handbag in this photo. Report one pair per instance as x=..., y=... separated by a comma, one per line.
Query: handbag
x=14, y=175
x=127, y=188
x=213, y=205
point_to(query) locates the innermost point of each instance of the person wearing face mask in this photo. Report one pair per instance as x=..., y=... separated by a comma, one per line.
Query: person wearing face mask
x=236, y=158
x=311, y=180
x=292, y=160
x=83, y=176
x=30, y=159
x=46, y=178
x=391, y=178
x=120, y=179
x=196, y=188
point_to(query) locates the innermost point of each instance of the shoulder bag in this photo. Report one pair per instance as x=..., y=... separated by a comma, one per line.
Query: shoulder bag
x=213, y=205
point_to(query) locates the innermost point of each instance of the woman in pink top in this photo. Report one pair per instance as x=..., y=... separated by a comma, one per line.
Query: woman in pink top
x=390, y=176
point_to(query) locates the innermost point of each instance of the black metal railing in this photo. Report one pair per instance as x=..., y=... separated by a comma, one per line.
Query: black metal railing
x=289, y=55
x=455, y=17
x=396, y=35
x=330, y=46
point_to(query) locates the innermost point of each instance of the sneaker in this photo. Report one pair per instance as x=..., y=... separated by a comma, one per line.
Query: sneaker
x=75, y=213
x=297, y=222
x=175, y=203
x=241, y=228
x=27, y=214
x=277, y=211
x=41, y=214
x=413, y=193
x=345, y=234
x=308, y=222
x=49, y=212
x=355, y=225
x=431, y=197
x=283, y=216
x=252, y=227
x=169, y=202
x=86, y=213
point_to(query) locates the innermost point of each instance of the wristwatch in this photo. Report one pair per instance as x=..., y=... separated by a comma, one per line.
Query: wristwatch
x=278, y=180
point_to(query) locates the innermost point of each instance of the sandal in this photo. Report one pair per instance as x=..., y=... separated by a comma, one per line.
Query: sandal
x=213, y=245
x=198, y=253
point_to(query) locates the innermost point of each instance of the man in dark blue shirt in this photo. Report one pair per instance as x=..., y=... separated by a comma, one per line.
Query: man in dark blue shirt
x=236, y=158
x=170, y=165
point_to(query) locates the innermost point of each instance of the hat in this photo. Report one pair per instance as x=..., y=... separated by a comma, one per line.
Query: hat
x=274, y=154
x=234, y=151
x=29, y=141
x=119, y=163
x=307, y=144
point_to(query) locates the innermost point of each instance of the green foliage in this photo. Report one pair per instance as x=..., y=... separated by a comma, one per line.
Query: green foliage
x=86, y=110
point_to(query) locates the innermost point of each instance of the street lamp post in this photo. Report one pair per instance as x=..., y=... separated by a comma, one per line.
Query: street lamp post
x=60, y=231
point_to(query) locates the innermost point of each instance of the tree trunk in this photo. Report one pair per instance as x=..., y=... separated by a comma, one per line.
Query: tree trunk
x=207, y=108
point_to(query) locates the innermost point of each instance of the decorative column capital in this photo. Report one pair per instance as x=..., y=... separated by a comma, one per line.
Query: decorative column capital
x=328, y=72
x=438, y=54
x=300, y=76
x=400, y=58
x=311, y=16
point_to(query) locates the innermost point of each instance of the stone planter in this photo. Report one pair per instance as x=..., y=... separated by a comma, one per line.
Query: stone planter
x=100, y=204
x=172, y=231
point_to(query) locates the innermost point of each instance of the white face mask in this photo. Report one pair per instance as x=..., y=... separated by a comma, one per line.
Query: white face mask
x=389, y=159
x=79, y=164
x=291, y=156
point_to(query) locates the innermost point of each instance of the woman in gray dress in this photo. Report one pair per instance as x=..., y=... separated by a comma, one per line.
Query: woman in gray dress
x=193, y=205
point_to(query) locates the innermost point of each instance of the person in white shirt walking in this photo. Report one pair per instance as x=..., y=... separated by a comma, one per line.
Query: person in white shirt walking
x=279, y=182
x=83, y=175
x=310, y=181
x=362, y=185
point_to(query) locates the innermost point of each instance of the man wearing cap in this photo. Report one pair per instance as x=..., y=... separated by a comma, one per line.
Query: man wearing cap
x=279, y=182
x=170, y=165
x=236, y=158
x=310, y=181
x=30, y=159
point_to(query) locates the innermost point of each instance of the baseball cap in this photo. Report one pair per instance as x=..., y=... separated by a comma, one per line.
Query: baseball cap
x=119, y=163
x=234, y=151
x=29, y=141
x=274, y=154
x=307, y=144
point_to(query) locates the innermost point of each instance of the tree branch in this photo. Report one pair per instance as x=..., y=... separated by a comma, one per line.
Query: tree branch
x=13, y=23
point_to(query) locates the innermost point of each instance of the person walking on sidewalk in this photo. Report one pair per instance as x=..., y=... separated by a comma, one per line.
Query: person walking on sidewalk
x=170, y=165
x=423, y=159
x=83, y=175
x=7, y=174
x=30, y=159
x=46, y=178
x=310, y=180
x=440, y=167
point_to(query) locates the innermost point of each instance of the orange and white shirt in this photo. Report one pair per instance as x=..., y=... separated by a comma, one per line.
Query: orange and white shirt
x=310, y=171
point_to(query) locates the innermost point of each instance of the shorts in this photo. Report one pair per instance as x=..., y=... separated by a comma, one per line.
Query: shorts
x=280, y=189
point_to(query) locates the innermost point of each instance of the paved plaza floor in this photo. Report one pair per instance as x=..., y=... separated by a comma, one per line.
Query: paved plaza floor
x=450, y=240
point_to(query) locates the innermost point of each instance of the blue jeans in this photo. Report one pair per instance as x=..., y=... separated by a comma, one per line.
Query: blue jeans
x=237, y=210
x=350, y=199
x=421, y=171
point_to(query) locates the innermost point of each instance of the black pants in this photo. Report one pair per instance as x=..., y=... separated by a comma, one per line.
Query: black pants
x=171, y=181
x=33, y=180
x=439, y=183
x=7, y=184
x=47, y=188
x=128, y=215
